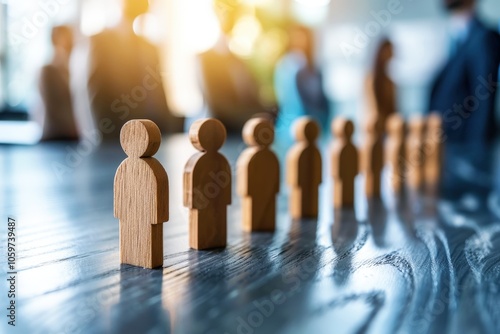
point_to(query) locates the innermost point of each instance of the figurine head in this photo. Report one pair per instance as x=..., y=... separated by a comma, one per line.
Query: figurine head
x=258, y=132
x=343, y=128
x=140, y=138
x=395, y=125
x=306, y=129
x=207, y=135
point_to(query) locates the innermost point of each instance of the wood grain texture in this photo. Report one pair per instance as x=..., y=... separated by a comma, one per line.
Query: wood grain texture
x=372, y=157
x=207, y=186
x=395, y=151
x=304, y=169
x=141, y=196
x=344, y=163
x=258, y=176
x=421, y=264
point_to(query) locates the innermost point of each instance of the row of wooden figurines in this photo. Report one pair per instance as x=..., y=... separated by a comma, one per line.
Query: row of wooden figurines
x=141, y=195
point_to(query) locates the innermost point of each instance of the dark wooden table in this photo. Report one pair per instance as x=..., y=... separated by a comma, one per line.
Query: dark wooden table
x=413, y=263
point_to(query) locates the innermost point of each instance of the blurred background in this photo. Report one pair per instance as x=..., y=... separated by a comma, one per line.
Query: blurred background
x=253, y=39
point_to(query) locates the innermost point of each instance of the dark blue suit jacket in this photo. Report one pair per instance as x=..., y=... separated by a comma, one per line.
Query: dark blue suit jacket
x=465, y=90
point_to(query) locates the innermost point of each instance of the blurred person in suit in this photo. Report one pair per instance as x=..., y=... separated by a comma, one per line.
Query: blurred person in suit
x=299, y=84
x=464, y=91
x=58, y=117
x=380, y=89
x=125, y=79
x=229, y=89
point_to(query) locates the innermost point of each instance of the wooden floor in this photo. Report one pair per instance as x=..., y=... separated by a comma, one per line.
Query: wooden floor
x=417, y=264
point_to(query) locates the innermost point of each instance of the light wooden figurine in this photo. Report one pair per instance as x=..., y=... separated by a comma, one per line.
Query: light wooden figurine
x=258, y=176
x=345, y=163
x=434, y=149
x=141, y=196
x=373, y=158
x=304, y=170
x=207, y=186
x=414, y=153
x=395, y=151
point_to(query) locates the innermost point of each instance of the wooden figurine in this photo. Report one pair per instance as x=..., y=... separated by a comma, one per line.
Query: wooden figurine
x=207, y=186
x=373, y=158
x=395, y=151
x=434, y=145
x=258, y=175
x=414, y=153
x=345, y=163
x=379, y=87
x=304, y=170
x=141, y=196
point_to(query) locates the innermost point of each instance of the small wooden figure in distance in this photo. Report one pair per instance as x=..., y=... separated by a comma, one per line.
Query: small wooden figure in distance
x=304, y=170
x=207, y=186
x=141, y=196
x=345, y=163
x=373, y=158
x=395, y=151
x=258, y=175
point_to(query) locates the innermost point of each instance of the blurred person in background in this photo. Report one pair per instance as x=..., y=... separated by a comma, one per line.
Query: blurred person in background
x=380, y=89
x=230, y=91
x=58, y=117
x=298, y=83
x=464, y=91
x=125, y=78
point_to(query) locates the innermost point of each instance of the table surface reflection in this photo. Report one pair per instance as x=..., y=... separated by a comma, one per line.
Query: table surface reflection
x=416, y=263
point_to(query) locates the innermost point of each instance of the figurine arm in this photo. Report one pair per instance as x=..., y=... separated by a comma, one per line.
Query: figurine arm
x=160, y=204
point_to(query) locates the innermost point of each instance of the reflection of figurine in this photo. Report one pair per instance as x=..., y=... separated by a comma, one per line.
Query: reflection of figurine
x=464, y=91
x=141, y=196
x=229, y=88
x=124, y=76
x=207, y=186
x=380, y=89
x=304, y=170
x=59, y=119
x=258, y=176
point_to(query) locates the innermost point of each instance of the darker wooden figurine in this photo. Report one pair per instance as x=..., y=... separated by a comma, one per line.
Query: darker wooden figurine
x=141, y=196
x=258, y=173
x=345, y=163
x=207, y=186
x=304, y=170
